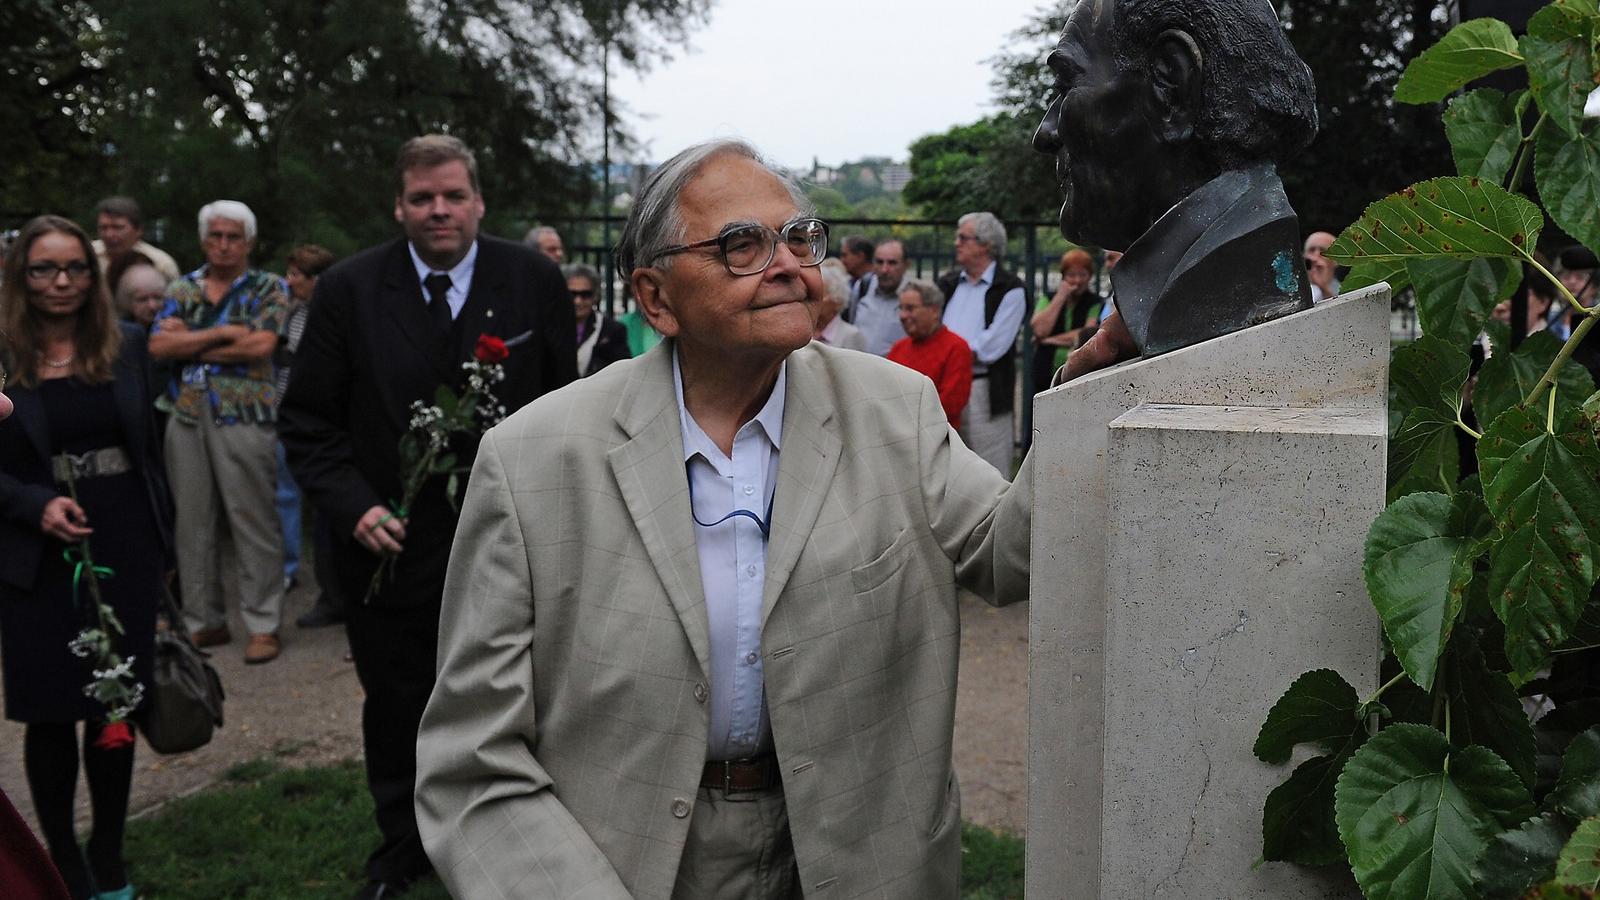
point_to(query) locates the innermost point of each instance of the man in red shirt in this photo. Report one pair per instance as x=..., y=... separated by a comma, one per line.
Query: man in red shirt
x=933, y=349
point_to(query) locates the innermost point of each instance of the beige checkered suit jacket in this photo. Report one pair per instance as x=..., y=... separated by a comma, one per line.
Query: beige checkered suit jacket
x=561, y=750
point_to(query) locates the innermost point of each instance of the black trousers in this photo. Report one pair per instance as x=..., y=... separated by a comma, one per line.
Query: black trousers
x=394, y=652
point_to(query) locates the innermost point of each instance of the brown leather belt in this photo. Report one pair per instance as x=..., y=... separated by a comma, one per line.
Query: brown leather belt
x=757, y=774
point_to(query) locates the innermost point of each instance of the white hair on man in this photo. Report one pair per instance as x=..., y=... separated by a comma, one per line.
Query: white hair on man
x=990, y=233
x=233, y=211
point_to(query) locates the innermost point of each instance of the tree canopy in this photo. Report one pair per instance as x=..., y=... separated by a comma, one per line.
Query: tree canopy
x=298, y=108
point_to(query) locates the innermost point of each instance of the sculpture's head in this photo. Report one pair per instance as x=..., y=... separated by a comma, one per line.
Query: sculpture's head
x=1153, y=98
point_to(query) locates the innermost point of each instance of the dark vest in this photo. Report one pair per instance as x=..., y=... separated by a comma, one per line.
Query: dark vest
x=1003, y=371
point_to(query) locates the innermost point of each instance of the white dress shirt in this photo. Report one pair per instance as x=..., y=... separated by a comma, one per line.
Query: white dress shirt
x=877, y=314
x=460, y=277
x=733, y=565
x=963, y=314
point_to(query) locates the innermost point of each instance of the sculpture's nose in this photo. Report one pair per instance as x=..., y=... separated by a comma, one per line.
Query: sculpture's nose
x=1047, y=137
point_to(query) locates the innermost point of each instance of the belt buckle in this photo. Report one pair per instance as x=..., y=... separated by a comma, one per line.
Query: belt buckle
x=727, y=776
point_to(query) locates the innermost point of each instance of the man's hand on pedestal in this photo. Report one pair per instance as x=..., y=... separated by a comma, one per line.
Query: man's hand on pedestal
x=1110, y=345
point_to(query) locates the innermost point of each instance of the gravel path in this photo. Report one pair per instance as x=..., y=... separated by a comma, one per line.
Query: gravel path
x=304, y=709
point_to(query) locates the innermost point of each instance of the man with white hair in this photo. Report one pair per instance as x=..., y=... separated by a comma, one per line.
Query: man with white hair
x=547, y=240
x=984, y=305
x=700, y=630
x=1322, y=272
x=219, y=327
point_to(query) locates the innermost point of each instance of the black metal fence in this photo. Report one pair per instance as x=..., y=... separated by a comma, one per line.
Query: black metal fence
x=1033, y=251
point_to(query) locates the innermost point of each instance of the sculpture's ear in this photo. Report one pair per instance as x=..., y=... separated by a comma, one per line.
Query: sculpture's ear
x=1175, y=70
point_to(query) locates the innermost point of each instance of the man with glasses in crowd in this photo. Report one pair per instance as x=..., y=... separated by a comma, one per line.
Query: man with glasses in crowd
x=877, y=312
x=984, y=305
x=700, y=632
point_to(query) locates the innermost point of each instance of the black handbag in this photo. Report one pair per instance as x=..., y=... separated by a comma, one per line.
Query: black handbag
x=183, y=702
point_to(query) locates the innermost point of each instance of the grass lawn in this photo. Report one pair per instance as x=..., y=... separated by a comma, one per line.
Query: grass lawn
x=268, y=833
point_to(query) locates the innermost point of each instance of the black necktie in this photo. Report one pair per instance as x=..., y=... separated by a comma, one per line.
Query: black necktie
x=438, y=285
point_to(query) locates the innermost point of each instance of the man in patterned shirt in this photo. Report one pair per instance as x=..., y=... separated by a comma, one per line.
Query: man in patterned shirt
x=219, y=327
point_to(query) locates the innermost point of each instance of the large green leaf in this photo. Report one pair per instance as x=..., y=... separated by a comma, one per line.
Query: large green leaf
x=1486, y=710
x=1577, y=792
x=1414, y=816
x=1455, y=296
x=1557, y=48
x=1426, y=377
x=1540, y=487
x=1506, y=378
x=1567, y=171
x=1579, y=863
x=1369, y=272
x=1517, y=860
x=1319, y=708
x=1468, y=52
x=1419, y=557
x=1297, y=822
x=1485, y=128
x=1457, y=217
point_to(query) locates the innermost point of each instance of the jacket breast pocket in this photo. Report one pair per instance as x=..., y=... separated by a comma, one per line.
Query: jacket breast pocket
x=883, y=568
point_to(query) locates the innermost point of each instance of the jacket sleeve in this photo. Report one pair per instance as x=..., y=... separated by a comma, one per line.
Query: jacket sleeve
x=488, y=817
x=314, y=415
x=981, y=522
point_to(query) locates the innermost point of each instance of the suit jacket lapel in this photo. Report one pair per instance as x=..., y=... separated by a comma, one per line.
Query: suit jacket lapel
x=806, y=463
x=650, y=473
x=407, y=308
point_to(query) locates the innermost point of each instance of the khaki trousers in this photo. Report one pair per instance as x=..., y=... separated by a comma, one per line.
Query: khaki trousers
x=226, y=472
x=989, y=436
x=738, y=849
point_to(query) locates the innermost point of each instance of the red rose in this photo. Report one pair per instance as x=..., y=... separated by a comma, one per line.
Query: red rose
x=114, y=736
x=490, y=349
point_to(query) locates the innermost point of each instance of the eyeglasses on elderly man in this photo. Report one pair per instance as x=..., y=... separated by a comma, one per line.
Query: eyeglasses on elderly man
x=747, y=248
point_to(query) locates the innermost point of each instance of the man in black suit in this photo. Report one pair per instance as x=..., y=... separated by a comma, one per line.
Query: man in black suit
x=388, y=326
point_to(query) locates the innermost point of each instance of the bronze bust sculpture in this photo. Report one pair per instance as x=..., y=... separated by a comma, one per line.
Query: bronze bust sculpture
x=1168, y=120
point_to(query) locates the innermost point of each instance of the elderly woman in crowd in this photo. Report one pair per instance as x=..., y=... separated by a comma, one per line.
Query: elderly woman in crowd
x=601, y=341
x=79, y=461
x=138, y=288
x=1063, y=322
x=836, y=296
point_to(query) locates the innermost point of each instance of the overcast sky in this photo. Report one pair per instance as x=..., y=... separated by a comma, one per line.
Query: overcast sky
x=883, y=73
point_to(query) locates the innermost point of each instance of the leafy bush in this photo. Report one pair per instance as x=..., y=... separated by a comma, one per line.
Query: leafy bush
x=1474, y=771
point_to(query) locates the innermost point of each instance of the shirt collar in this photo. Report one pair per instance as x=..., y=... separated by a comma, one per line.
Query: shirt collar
x=697, y=442
x=986, y=278
x=460, y=276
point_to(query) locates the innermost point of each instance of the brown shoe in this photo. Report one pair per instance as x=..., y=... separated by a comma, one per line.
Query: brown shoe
x=210, y=637
x=262, y=648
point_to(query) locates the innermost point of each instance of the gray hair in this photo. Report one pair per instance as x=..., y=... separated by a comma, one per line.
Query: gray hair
x=836, y=283
x=533, y=235
x=990, y=232
x=579, y=270
x=655, y=222
x=232, y=210
x=927, y=290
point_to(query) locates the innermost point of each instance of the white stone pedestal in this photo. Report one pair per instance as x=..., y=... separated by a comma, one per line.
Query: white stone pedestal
x=1198, y=528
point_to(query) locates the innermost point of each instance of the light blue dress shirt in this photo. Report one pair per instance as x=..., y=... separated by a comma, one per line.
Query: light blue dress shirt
x=963, y=314
x=733, y=565
x=460, y=277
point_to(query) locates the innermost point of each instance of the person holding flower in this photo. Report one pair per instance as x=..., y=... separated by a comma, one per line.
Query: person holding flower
x=80, y=465
x=379, y=454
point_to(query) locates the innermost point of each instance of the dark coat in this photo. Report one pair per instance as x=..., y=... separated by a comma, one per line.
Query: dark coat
x=26, y=481
x=370, y=350
x=611, y=346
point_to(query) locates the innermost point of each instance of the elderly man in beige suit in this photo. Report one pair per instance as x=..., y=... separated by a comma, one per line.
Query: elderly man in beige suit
x=700, y=631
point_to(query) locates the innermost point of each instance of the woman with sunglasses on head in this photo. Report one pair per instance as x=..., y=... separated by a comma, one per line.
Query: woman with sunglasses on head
x=601, y=341
x=80, y=384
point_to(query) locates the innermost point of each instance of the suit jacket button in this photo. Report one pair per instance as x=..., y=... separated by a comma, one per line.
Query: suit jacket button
x=700, y=692
x=680, y=808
